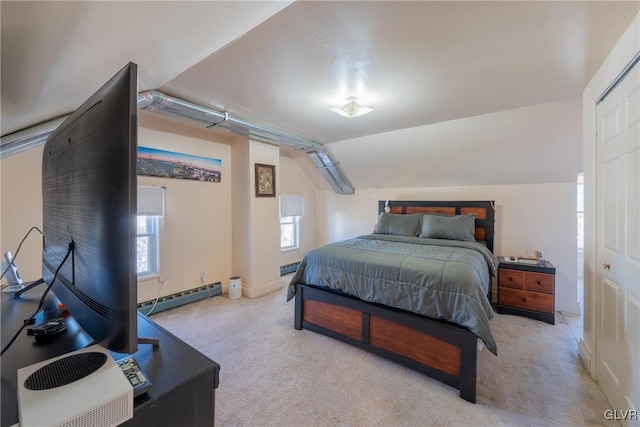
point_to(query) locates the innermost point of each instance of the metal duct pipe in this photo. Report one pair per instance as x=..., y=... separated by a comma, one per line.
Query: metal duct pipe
x=329, y=170
x=165, y=104
x=150, y=100
x=22, y=140
x=156, y=101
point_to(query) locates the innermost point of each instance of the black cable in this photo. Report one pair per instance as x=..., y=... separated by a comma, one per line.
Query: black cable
x=216, y=124
x=18, y=250
x=224, y=119
x=41, y=303
x=28, y=288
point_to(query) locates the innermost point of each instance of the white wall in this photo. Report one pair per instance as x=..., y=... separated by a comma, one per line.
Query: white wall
x=240, y=204
x=528, y=217
x=195, y=230
x=293, y=180
x=264, y=226
x=535, y=144
x=618, y=58
x=21, y=209
x=224, y=230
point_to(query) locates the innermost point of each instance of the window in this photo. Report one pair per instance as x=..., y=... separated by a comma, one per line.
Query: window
x=580, y=209
x=289, y=228
x=290, y=212
x=150, y=208
x=147, y=243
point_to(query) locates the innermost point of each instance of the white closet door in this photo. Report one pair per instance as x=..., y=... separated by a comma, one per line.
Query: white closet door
x=618, y=246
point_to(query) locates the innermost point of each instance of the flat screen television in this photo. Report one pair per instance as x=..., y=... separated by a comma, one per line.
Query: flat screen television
x=89, y=186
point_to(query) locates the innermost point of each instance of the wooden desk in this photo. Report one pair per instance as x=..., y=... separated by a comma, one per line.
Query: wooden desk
x=184, y=380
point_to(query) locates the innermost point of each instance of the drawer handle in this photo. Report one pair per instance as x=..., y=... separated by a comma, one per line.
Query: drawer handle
x=524, y=300
x=538, y=283
x=606, y=266
x=510, y=279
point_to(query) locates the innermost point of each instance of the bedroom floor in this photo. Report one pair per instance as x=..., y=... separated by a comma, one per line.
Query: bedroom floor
x=574, y=322
x=274, y=375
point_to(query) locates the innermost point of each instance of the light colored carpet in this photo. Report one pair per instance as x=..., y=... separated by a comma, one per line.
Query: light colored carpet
x=274, y=375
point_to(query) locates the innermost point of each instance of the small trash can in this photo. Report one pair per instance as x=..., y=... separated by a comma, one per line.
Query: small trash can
x=235, y=287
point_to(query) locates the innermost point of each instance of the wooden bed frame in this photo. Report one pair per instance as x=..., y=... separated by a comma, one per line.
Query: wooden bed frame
x=437, y=348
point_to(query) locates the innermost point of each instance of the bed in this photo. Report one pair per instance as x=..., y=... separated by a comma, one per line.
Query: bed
x=415, y=291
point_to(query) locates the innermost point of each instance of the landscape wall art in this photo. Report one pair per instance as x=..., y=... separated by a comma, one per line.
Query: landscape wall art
x=168, y=164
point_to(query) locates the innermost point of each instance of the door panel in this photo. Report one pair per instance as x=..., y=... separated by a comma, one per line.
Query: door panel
x=610, y=225
x=609, y=330
x=632, y=321
x=618, y=245
x=632, y=225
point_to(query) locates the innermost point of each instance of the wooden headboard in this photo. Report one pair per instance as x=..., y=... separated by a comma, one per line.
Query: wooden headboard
x=484, y=210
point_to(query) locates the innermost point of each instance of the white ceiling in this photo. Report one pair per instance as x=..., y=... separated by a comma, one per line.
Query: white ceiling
x=283, y=65
x=415, y=63
x=56, y=54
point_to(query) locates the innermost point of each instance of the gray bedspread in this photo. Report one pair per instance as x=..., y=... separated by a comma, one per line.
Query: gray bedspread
x=442, y=279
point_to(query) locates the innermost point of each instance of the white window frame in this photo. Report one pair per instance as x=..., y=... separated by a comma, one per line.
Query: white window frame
x=580, y=212
x=152, y=248
x=295, y=221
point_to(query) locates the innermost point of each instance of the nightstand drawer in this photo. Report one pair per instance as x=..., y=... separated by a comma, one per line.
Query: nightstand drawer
x=511, y=278
x=527, y=300
x=538, y=282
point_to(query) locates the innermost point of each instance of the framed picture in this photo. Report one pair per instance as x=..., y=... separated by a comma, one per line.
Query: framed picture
x=265, y=180
x=168, y=164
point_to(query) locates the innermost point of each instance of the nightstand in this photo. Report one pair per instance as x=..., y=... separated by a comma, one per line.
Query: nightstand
x=527, y=290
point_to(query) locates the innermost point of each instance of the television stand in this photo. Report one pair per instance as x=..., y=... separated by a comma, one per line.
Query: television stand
x=28, y=287
x=155, y=342
x=184, y=380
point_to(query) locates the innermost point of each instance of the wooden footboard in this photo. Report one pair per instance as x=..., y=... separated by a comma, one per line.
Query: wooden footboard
x=442, y=350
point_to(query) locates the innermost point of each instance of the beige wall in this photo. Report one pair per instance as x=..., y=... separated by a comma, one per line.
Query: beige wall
x=618, y=58
x=195, y=230
x=21, y=209
x=528, y=217
x=240, y=202
x=293, y=180
x=264, y=227
x=224, y=230
x=220, y=229
x=256, y=229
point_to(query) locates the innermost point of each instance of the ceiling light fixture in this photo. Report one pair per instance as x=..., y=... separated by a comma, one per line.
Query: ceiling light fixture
x=351, y=108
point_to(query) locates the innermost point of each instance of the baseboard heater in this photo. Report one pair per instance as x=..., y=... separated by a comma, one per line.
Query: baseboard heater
x=180, y=298
x=289, y=268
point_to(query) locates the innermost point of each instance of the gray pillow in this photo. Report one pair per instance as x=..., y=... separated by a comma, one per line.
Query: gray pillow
x=398, y=224
x=458, y=227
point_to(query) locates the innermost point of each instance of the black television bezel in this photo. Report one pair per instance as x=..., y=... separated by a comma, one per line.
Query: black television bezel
x=89, y=194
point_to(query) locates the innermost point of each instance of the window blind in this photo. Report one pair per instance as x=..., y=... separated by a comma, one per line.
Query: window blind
x=290, y=205
x=151, y=201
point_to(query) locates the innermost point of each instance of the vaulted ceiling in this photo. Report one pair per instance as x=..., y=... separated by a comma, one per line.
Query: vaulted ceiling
x=474, y=81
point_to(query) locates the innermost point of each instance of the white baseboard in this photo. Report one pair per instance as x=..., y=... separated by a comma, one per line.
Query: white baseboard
x=584, y=352
x=260, y=290
x=568, y=307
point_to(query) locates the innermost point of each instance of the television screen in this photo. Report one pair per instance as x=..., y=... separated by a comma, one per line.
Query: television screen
x=89, y=198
